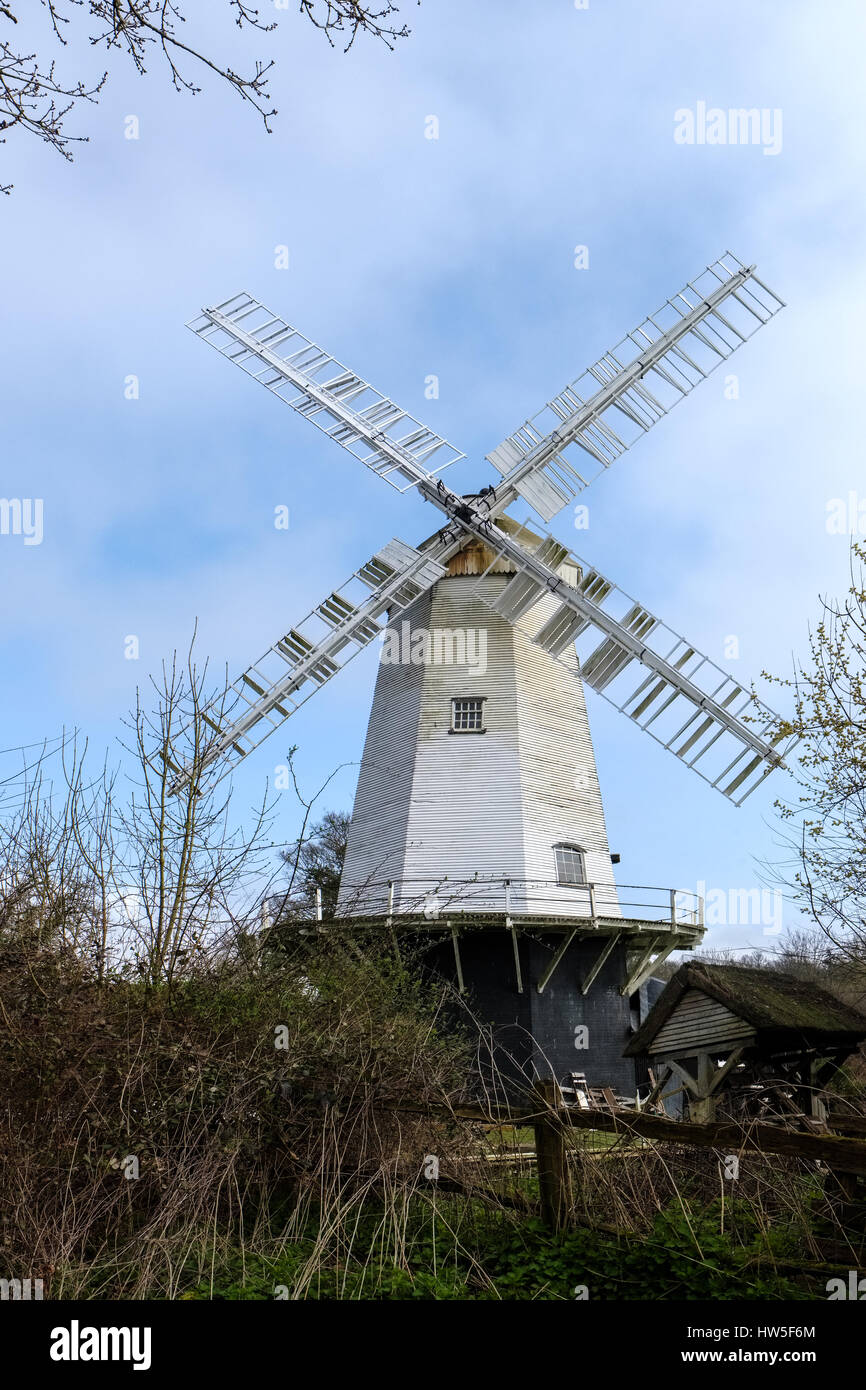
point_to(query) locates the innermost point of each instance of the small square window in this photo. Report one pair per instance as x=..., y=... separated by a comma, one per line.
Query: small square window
x=467, y=716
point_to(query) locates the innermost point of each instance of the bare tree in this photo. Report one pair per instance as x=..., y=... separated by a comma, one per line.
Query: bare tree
x=825, y=825
x=188, y=873
x=49, y=891
x=128, y=870
x=37, y=94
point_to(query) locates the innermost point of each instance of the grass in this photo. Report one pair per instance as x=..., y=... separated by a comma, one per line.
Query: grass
x=458, y=1251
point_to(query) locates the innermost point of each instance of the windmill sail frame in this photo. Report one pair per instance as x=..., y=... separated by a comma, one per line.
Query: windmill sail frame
x=681, y=697
x=674, y=348
x=373, y=428
x=311, y=653
x=594, y=420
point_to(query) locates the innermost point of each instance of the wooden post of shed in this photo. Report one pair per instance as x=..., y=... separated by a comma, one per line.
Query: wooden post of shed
x=554, y=1182
x=702, y=1103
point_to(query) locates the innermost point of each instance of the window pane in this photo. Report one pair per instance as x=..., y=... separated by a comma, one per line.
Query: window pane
x=466, y=714
x=569, y=864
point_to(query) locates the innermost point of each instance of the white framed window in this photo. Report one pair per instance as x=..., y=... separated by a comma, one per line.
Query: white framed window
x=467, y=715
x=570, y=864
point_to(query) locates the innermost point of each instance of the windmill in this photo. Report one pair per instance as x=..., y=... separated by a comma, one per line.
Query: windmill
x=478, y=819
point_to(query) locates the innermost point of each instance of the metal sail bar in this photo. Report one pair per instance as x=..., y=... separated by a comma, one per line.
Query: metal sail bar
x=308, y=655
x=645, y=669
x=385, y=438
x=592, y=422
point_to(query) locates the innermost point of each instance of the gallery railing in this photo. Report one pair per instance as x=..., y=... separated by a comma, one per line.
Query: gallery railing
x=435, y=899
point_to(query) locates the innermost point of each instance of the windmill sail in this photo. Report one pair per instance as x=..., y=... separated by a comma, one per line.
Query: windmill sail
x=646, y=670
x=592, y=422
x=680, y=697
x=308, y=655
x=384, y=437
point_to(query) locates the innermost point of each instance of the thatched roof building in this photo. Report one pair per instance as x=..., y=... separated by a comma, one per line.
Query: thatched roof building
x=714, y=1024
x=711, y=1005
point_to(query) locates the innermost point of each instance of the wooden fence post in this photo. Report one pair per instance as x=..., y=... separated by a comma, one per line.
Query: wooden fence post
x=554, y=1181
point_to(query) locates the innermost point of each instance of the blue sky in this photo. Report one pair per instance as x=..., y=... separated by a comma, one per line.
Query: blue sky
x=408, y=257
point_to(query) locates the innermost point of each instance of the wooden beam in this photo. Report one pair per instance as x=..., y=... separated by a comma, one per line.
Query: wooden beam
x=721, y=1072
x=554, y=1183
x=457, y=961
x=847, y=1124
x=658, y=1086
x=516, y=948
x=687, y=1079
x=846, y=1155
x=546, y=977
x=592, y=973
x=820, y=1070
x=702, y=1106
x=640, y=971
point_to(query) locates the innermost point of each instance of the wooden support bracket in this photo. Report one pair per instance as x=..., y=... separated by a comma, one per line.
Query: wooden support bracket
x=658, y=1086
x=515, y=946
x=546, y=977
x=643, y=967
x=646, y=964
x=592, y=973
x=722, y=1072
x=455, y=940
x=685, y=1077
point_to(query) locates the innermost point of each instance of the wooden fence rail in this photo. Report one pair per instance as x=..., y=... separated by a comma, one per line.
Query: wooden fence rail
x=845, y=1156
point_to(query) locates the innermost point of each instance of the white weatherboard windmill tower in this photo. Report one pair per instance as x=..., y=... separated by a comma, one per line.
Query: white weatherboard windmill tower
x=478, y=819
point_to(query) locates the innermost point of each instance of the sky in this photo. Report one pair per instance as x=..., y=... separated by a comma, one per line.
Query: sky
x=454, y=256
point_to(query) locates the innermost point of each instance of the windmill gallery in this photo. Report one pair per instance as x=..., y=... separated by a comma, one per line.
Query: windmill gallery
x=478, y=822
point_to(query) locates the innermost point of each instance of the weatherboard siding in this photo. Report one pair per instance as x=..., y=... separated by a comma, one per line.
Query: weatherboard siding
x=698, y=1023
x=376, y=846
x=465, y=812
x=559, y=781
x=432, y=804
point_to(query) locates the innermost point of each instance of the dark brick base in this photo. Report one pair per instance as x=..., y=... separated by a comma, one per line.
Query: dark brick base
x=532, y=1034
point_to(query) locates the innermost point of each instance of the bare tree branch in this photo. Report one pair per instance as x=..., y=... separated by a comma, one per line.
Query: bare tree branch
x=35, y=98
x=826, y=823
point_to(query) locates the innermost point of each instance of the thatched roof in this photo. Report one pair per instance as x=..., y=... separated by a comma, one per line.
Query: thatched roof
x=769, y=1000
